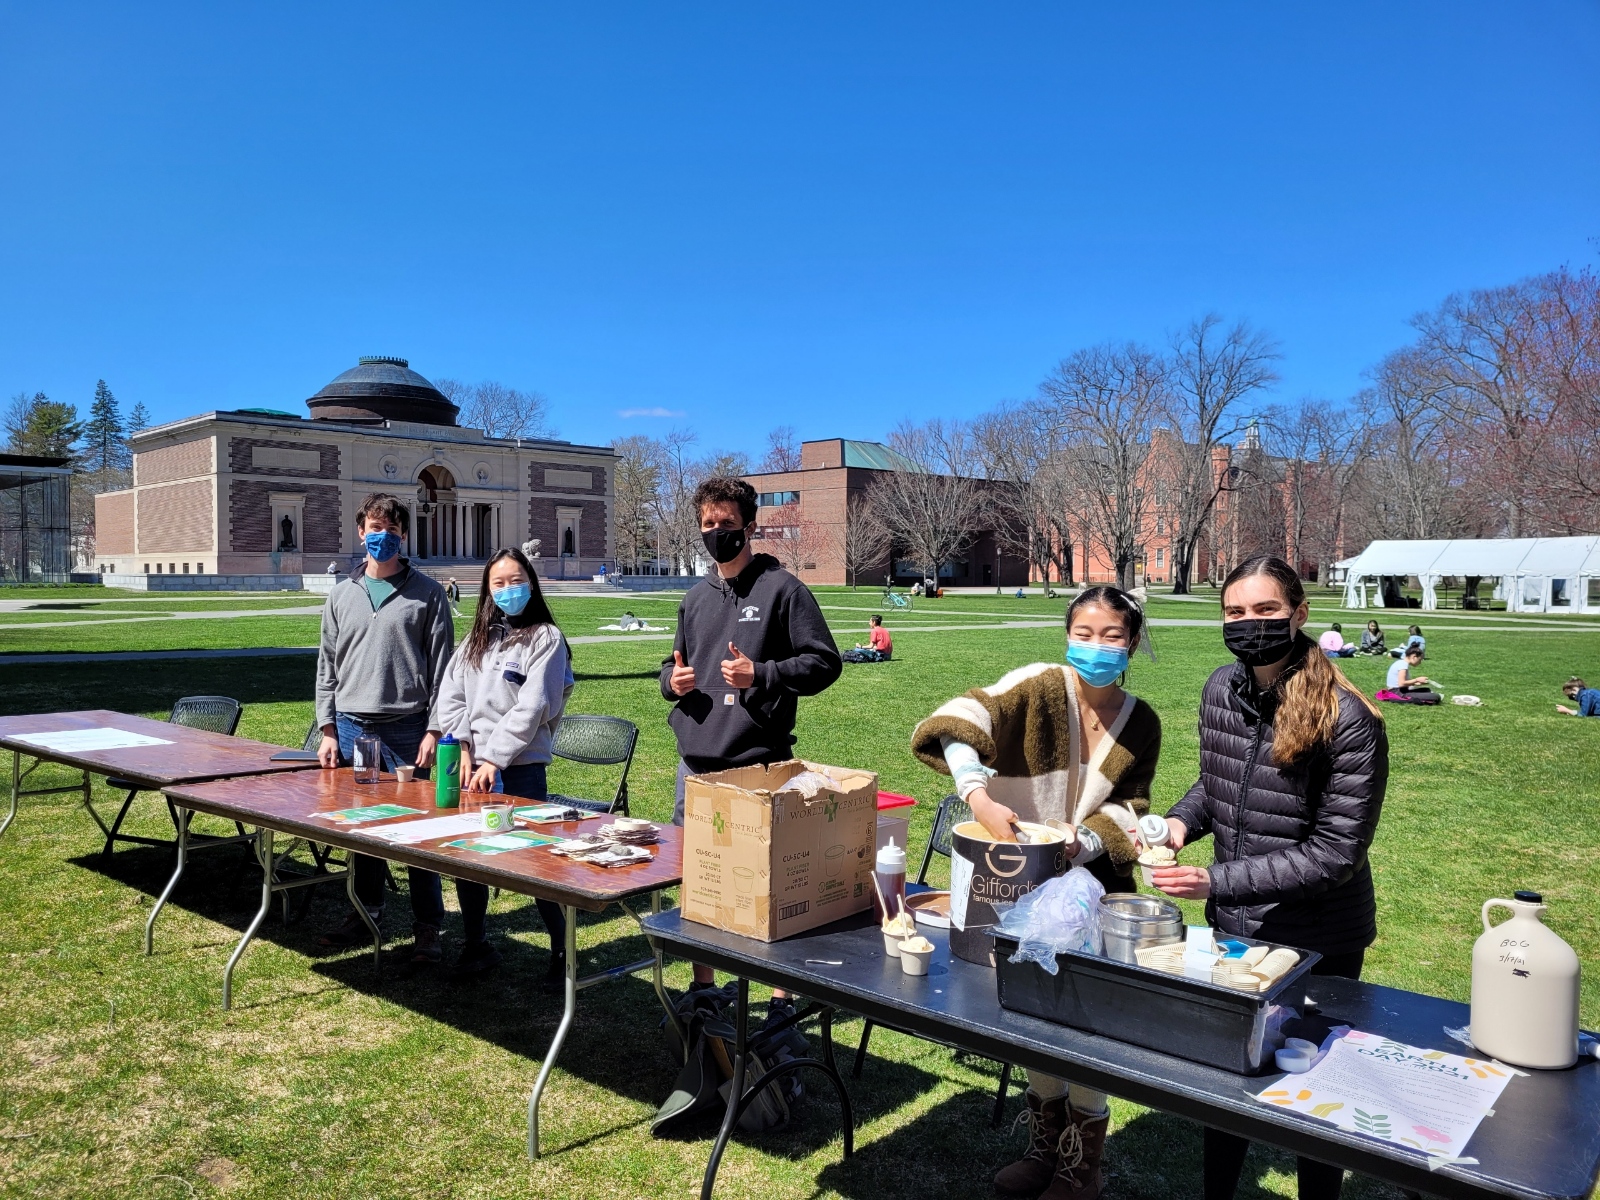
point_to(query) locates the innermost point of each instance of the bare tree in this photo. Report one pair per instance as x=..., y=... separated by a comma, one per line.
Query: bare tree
x=1407, y=485
x=865, y=541
x=1321, y=447
x=677, y=523
x=783, y=451
x=929, y=513
x=1020, y=453
x=498, y=410
x=635, y=513
x=1211, y=371
x=1100, y=402
x=794, y=540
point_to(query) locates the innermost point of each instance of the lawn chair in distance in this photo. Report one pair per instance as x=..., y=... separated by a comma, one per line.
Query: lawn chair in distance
x=597, y=742
x=953, y=810
x=215, y=714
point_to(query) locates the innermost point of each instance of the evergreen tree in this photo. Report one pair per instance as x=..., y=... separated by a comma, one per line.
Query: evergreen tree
x=42, y=426
x=105, y=442
x=139, y=418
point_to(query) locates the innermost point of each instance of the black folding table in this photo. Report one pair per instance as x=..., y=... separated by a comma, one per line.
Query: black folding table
x=1543, y=1140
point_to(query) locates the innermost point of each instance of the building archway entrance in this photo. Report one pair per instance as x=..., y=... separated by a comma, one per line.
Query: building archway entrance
x=437, y=534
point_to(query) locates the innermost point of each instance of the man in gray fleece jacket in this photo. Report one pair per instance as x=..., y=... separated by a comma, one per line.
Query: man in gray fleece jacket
x=386, y=642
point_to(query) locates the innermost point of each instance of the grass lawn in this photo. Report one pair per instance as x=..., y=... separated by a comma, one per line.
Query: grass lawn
x=326, y=1081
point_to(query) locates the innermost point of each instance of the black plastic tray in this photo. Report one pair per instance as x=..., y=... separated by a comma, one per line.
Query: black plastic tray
x=1201, y=1021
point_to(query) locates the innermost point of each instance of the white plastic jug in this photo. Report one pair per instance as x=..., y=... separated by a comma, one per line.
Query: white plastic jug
x=1524, y=988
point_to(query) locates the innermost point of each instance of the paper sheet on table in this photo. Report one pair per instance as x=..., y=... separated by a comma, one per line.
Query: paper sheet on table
x=499, y=843
x=370, y=812
x=78, y=741
x=1425, y=1099
x=408, y=832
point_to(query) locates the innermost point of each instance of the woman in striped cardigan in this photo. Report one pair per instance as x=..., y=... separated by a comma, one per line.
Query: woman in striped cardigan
x=1060, y=743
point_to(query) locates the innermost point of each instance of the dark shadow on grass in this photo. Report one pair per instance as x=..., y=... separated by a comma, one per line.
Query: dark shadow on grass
x=153, y=686
x=580, y=676
x=615, y=1043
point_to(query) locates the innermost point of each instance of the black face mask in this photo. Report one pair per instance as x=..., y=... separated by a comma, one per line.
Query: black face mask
x=724, y=545
x=1257, y=641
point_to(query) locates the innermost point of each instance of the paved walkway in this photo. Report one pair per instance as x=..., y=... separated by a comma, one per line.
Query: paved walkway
x=304, y=610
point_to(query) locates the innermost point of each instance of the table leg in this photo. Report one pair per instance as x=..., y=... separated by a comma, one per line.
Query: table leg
x=355, y=902
x=16, y=786
x=177, y=873
x=263, y=842
x=569, y=1008
x=661, y=987
x=741, y=1024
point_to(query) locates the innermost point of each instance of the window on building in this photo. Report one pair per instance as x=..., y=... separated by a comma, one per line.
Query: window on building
x=172, y=568
x=109, y=568
x=147, y=568
x=777, y=499
x=199, y=568
x=158, y=568
x=185, y=568
x=1160, y=554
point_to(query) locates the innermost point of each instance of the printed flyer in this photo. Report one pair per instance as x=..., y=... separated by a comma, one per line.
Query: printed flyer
x=1425, y=1099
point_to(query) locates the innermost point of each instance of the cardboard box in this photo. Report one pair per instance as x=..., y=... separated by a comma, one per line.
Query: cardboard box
x=764, y=860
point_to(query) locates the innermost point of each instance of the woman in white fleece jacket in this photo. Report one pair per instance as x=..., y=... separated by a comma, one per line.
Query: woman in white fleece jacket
x=503, y=695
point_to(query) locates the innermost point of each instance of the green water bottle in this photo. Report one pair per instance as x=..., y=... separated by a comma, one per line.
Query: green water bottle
x=447, y=773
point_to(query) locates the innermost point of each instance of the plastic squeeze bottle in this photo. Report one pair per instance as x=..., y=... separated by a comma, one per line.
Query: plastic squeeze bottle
x=891, y=873
x=447, y=773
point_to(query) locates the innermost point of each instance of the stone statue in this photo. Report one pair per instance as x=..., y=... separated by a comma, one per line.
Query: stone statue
x=286, y=540
x=530, y=548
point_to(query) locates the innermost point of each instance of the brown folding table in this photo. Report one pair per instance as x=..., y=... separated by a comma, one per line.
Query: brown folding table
x=289, y=804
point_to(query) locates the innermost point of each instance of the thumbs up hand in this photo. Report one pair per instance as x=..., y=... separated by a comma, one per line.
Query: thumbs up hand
x=738, y=671
x=682, y=681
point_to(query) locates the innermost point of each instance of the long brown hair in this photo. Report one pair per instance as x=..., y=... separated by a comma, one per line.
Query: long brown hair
x=1309, y=708
x=492, y=623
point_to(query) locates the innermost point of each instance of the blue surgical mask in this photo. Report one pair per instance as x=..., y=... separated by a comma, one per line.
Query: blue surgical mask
x=381, y=547
x=512, y=600
x=1095, y=664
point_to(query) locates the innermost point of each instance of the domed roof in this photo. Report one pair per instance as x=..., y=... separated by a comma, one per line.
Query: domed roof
x=380, y=388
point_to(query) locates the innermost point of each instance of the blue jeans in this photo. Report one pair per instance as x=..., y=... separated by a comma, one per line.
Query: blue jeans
x=526, y=782
x=401, y=739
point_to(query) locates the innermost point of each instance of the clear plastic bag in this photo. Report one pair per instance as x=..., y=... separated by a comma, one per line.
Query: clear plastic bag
x=1060, y=914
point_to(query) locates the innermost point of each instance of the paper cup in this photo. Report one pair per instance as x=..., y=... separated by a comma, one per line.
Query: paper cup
x=496, y=817
x=891, y=944
x=1149, y=875
x=405, y=773
x=915, y=962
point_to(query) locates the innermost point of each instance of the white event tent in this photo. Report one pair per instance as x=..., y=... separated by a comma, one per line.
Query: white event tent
x=1551, y=575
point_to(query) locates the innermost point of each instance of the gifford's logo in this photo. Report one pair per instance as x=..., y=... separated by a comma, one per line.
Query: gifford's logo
x=751, y=613
x=1015, y=863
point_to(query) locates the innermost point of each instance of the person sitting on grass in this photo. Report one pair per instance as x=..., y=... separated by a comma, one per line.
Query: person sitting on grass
x=879, y=647
x=1372, y=640
x=1413, y=638
x=1585, y=697
x=1403, y=687
x=1333, y=643
x=503, y=695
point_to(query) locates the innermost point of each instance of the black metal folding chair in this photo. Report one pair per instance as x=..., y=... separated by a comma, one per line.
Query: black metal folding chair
x=953, y=810
x=597, y=742
x=218, y=714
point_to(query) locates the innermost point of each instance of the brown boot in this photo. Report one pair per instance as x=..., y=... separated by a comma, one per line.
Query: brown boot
x=1047, y=1123
x=1083, y=1145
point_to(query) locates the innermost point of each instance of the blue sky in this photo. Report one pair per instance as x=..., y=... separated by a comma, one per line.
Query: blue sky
x=741, y=216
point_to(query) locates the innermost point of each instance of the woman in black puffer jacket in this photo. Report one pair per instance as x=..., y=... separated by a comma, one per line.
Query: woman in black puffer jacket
x=1293, y=766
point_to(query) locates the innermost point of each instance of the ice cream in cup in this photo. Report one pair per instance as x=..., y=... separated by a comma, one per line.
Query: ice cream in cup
x=914, y=955
x=896, y=930
x=1153, y=860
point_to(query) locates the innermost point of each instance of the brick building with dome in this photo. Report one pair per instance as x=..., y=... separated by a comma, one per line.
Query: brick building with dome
x=255, y=496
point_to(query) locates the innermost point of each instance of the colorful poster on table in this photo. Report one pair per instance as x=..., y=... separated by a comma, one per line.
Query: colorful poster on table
x=1425, y=1099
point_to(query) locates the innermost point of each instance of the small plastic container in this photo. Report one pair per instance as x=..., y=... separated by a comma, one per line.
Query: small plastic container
x=1295, y=1062
x=1154, y=830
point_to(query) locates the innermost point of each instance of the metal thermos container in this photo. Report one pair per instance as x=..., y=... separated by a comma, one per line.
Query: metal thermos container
x=1129, y=921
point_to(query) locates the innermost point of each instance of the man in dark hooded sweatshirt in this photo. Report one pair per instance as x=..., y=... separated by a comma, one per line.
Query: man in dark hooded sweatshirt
x=751, y=641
